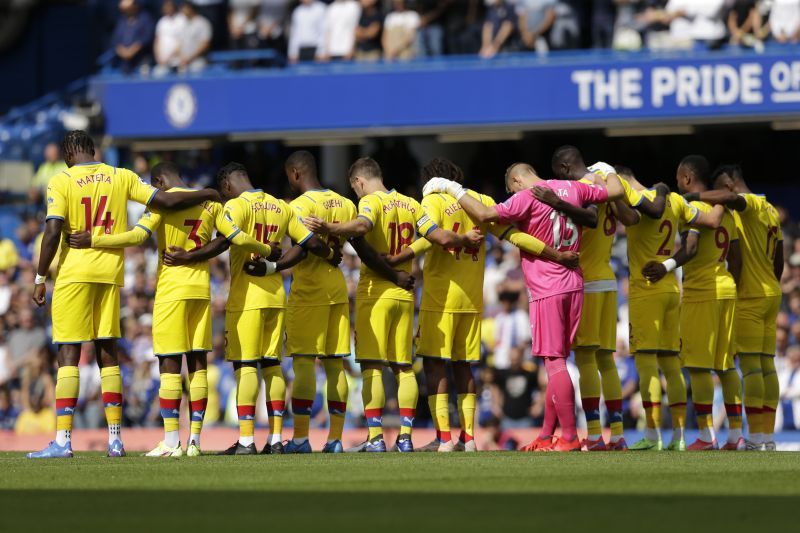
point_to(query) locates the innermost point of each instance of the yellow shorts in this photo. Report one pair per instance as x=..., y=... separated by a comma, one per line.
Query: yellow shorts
x=453, y=336
x=181, y=326
x=319, y=330
x=755, y=325
x=707, y=339
x=598, y=325
x=655, y=323
x=84, y=312
x=254, y=334
x=384, y=331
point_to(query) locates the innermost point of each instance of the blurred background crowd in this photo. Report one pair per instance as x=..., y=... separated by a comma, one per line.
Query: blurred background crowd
x=510, y=384
x=155, y=37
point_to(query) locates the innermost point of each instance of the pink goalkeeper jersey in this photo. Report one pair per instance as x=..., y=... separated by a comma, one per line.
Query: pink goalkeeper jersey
x=546, y=278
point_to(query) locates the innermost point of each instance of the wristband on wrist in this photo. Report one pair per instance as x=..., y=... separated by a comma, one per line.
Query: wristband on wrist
x=461, y=194
x=39, y=279
x=670, y=264
x=331, y=254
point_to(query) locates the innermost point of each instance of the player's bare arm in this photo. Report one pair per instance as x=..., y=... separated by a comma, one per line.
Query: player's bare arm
x=292, y=257
x=50, y=240
x=734, y=260
x=627, y=215
x=183, y=199
x=712, y=219
x=655, y=271
x=373, y=260
x=727, y=198
x=358, y=227
x=777, y=261
x=654, y=208
x=532, y=245
x=407, y=254
x=583, y=216
x=84, y=239
x=448, y=239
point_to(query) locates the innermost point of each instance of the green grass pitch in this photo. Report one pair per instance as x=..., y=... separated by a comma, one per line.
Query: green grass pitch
x=488, y=492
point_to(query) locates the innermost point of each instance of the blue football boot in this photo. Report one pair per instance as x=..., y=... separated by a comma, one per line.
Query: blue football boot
x=334, y=446
x=292, y=447
x=53, y=451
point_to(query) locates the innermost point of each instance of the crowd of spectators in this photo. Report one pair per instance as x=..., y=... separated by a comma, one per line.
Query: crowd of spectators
x=510, y=386
x=389, y=30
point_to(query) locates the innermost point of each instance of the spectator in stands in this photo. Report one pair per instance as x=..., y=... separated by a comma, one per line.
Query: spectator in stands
x=536, y=17
x=169, y=29
x=133, y=37
x=430, y=37
x=695, y=23
x=243, y=24
x=499, y=29
x=602, y=23
x=789, y=379
x=306, y=30
x=518, y=383
x=368, y=32
x=195, y=40
x=744, y=24
x=463, y=23
x=512, y=329
x=52, y=165
x=216, y=13
x=339, y=32
x=271, y=19
x=400, y=32
x=784, y=21
x=9, y=408
x=566, y=31
x=496, y=438
x=25, y=342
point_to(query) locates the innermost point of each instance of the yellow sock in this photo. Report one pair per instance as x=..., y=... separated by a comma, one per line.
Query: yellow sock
x=590, y=390
x=246, y=396
x=407, y=397
x=732, y=394
x=198, y=400
x=440, y=411
x=703, y=398
x=753, y=378
x=303, y=392
x=374, y=398
x=169, y=395
x=276, y=400
x=772, y=392
x=111, y=386
x=337, y=391
x=676, y=390
x=67, y=388
x=466, y=413
x=612, y=391
x=650, y=389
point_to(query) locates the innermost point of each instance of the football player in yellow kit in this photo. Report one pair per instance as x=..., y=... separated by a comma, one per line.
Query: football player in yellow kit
x=90, y=196
x=758, y=298
x=712, y=266
x=388, y=221
x=452, y=303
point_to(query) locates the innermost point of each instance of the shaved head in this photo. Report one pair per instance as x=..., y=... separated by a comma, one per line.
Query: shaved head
x=520, y=176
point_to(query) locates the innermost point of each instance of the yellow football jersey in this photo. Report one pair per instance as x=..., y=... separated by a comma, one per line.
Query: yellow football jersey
x=654, y=240
x=759, y=228
x=596, y=243
x=396, y=219
x=454, y=276
x=93, y=197
x=188, y=228
x=315, y=281
x=706, y=276
x=267, y=219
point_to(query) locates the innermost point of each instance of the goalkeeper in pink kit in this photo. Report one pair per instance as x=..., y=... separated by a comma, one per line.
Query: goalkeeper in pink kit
x=555, y=291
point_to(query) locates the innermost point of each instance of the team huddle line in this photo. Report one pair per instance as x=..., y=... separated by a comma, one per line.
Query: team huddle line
x=730, y=254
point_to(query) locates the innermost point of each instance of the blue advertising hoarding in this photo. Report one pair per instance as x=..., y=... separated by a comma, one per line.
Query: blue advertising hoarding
x=589, y=90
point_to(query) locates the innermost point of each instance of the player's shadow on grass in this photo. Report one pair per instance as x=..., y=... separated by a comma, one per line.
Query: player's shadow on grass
x=379, y=512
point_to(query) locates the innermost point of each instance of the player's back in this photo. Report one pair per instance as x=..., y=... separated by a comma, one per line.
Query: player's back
x=395, y=218
x=759, y=230
x=267, y=219
x=315, y=281
x=189, y=228
x=454, y=276
x=93, y=197
x=706, y=276
x=654, y=240
x=596, y=244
